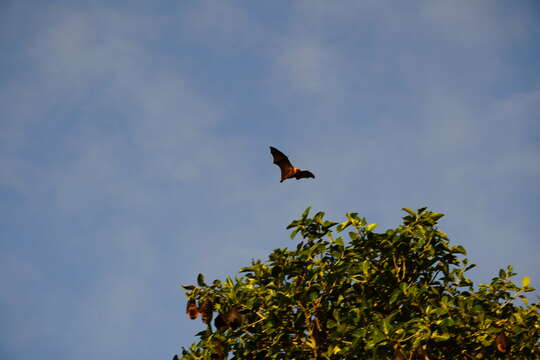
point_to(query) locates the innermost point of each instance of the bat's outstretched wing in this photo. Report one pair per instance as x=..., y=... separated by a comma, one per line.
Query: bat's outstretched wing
x=303, y=174
x=283, y=162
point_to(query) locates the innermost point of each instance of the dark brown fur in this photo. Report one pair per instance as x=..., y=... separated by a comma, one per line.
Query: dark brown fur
x=287, y=170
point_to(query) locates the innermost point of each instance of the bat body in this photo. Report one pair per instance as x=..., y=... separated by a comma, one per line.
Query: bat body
x=502, y=342
x=232, y=319
x=419, y=354
x=287, y=170
x=192, y=310
x=398, y=355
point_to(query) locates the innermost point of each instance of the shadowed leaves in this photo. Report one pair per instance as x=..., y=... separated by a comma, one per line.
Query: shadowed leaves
x=347, y=292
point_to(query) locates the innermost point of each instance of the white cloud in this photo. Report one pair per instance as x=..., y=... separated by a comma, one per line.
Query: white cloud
x=120, y=298
x=482, y=24
x=384, y=120
x=221, y=25
x=102, y=58
x=308, y=67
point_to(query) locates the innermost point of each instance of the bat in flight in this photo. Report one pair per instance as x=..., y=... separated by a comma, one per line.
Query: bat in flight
x=287, y=170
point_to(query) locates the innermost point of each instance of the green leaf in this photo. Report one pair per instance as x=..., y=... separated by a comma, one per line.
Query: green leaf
x=318, y=217
x=369, y=296
x=365, y=267
x=376, y=338
x=306, y=213
x=336, y=315
x=246, y=269
x=293, y=224
x=385, y=325
x=293, y=234
x=395, y=295
x=412, y=213
x=436, y=216
x=459, y=250
x=371, y=227
x=519, y=318
x=442, y=234
x=343, y=225
x=200, y=280
x=440, y=337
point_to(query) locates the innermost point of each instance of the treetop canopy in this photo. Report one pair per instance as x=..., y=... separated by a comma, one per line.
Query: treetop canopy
x=348, y=292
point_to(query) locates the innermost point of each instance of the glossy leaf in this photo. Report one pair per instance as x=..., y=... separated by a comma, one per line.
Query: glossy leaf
x=367, y=295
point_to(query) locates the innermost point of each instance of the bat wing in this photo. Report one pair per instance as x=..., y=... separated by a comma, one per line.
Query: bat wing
x=283, y=162
x=304, y=174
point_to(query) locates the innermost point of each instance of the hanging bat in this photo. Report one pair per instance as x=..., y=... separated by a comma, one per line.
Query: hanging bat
x=419, y=354
x=502, y=342
x=206, y=310
x=192, y=310
x=220, y=323
x=398, y=355
x=232, y=319
x=287, y=170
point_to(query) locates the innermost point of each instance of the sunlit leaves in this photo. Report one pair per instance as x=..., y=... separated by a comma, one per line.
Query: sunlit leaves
x=347, y=292
x=371, y=227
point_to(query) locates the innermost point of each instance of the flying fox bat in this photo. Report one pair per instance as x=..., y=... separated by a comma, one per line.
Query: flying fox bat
x=191, y=309
x=398, y=355
x=287, y=170
x=502, y=342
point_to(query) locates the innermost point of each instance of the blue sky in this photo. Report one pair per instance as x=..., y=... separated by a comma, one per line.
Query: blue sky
x=134, y=148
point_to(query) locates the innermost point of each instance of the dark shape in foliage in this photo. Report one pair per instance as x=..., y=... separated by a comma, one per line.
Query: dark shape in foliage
x=220, y=323
x=398, y=355
x=419, y=354
x=345, y=292
x=502, y=342
x=206, y=309
x=287, y=170
x=220, y=352
x=233, y=318
x=191, y=310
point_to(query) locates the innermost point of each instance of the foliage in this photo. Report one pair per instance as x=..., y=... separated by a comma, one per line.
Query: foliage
x=400, y=294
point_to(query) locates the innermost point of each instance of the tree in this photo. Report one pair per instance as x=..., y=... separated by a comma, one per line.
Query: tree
x=400, y=294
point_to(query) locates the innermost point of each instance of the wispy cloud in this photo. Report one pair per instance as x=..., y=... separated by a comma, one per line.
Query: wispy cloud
x=134, y=149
